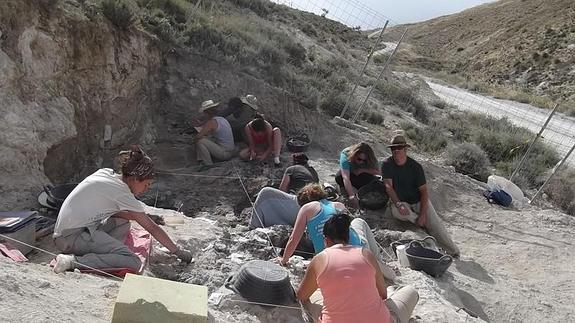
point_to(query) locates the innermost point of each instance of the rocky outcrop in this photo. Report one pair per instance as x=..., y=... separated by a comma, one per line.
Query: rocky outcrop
x=64, y=76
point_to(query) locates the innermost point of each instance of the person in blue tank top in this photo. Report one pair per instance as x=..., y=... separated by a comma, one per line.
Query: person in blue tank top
x=314, y=212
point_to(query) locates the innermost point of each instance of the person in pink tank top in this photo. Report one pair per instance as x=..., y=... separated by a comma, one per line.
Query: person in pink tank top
x=263, y=140
x=351, y=285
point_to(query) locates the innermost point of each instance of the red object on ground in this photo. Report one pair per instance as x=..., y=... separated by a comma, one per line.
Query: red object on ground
x=12, y=253
x=140, y=242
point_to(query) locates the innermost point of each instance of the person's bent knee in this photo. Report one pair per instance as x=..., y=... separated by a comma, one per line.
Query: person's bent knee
x=134, y=263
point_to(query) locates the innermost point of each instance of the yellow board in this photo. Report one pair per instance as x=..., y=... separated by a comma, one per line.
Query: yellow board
x=147, y=299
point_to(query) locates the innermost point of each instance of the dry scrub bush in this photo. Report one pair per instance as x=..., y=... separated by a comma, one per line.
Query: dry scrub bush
x=469, y=159
x=406, y=98
x=430, y=139
x=119, y=13
x=504, y=144
x=561, y=190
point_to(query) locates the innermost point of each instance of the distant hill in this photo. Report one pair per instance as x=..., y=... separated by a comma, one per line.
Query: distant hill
x=528, y=43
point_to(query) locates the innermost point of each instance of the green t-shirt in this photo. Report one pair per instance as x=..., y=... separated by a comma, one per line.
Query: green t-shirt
x=406, y=178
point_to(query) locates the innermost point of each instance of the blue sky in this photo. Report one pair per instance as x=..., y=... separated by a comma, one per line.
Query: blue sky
x=370, y=14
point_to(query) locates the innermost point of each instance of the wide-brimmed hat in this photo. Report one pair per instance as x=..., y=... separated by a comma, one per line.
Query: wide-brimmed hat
x=250, y=100
x=208, y=105
x=398, y=140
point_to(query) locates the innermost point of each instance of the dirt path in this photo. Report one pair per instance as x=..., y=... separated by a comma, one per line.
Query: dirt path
x=560, y=133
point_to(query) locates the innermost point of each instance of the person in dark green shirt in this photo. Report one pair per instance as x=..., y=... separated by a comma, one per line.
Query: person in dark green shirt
x=406, y=187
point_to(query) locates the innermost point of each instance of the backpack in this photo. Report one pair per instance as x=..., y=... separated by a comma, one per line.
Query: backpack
x=498, y=197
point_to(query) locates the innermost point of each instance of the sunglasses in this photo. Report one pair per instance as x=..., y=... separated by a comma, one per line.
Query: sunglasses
x=397, y=148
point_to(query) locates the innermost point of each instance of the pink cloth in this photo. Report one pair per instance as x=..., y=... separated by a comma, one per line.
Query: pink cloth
x=139, y=242
x=348, y=287
x=12, y=253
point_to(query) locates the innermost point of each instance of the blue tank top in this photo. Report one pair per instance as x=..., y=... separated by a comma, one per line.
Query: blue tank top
x=315, y=227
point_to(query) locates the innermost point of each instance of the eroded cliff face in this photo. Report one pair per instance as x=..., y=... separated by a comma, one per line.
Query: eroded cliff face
x=64, y=76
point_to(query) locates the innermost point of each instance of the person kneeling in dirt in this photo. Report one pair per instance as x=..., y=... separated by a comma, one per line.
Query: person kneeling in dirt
x=314, y=212
x=279, y=206
x=241, y=110
x=351, y=285
x=406, y=187
x=262, y=141
x=95, y=218
x=358, y=167
x=221, y=146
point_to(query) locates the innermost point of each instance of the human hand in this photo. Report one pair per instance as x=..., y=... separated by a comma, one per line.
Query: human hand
x=252, y=155
x=403, y=210
x=184, y=255
x=354, y=202
x=280, y=260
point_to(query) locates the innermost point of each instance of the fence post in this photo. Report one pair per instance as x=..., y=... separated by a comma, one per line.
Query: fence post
x=362, y=71
x=387, y=62
x=552, y=174
x=533, y=143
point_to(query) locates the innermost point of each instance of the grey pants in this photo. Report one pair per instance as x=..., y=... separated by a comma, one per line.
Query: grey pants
x=273, y=207
x=366, y=236
x=433, y=225
x=101, y=248
x=206, y=149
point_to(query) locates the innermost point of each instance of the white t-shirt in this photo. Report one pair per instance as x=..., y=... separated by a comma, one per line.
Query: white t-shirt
x=95, y=199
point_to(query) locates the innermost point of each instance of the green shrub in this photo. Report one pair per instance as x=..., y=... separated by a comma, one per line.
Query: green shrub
x=430, y=139
x=333, y=104
x=561, y=190
x=119, y=13
x=176, y=9
x=373, y=116
x=469, y=159
x=439, y=103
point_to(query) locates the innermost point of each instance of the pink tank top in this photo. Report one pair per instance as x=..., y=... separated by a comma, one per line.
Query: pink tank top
x=348, y=287
x=259, y=138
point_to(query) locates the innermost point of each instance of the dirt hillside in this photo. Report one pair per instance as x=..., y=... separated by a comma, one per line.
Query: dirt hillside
x=529, y=43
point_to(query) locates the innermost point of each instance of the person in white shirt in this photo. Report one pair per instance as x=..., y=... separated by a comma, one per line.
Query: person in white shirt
x=95, y=218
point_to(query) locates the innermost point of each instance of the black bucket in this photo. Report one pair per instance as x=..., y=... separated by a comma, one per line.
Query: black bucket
x=373, y=195
x=263, y=282
x=57, y=194
x=430, y=261
x=298, y=144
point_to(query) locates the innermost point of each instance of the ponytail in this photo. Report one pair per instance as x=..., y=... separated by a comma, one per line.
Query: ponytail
x=336, y=228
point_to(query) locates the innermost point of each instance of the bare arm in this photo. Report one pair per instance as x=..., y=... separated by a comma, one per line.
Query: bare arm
x=149, y=225
x=309, y=283
x=209, y=127
x=285, y=183
x=298, y=230
x=269, y=135
x=379, y=280
x=390, y=191
x=347, y=182
x=423, y=205
x=250, y=139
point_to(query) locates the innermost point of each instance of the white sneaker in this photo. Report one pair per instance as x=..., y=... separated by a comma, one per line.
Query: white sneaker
x=63, y=263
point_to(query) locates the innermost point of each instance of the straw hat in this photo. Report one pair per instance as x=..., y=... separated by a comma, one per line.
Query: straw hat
x=250, y=100
x=398, y=140
x=208, y=105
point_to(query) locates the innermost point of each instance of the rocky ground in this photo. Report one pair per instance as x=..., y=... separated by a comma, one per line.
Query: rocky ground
x=516, y=265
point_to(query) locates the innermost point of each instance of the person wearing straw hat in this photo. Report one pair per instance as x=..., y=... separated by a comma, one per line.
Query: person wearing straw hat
x=241, y=110
x=221, y=143
x=406, y=187
x=94, y=220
